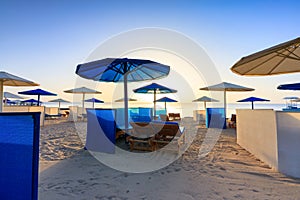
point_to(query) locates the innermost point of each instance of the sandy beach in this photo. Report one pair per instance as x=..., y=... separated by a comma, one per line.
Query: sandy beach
x=227, y=172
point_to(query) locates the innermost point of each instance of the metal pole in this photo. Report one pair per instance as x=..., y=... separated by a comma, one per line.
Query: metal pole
x=83, y=97
x=38, y=100
x=154, y=101
x=125, y=103
x=252, y=105
x=166, y=107
x=225, y=106
x=1, y=96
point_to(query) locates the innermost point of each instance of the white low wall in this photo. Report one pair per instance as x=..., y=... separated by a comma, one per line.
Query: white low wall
x=52, y=110
x=199, y=115
x=273, y=137
x=256, y=132
x=40, y=109
x=288, y=128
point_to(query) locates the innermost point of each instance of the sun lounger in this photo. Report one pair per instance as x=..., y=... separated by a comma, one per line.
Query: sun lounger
x=164, y=117
x=174, y=117
x=141, y=136
x=232, y=121
x=47, y=116
x=168, y=136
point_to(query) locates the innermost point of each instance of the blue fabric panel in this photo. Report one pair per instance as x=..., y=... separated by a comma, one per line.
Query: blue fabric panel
x=101, y=130
x=19, y=151
x=215, y=118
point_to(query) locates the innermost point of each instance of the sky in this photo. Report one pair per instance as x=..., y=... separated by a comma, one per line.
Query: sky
x=44, y=41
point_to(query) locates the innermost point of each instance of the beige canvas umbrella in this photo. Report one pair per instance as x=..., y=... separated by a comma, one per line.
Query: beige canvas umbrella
x=280, y=59
x=59, y=102
x=7, y=79
x=205, y=99
x=8, y=95
x=226, y=87
x=122, y=100
x=83, y=91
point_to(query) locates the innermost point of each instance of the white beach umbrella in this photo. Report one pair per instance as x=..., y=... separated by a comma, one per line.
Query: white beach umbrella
x=280, y=59
x=59, y=101
x=83, y=91
x=226, y=87
x=205, y=99
x=7, y=79
x=8, y=95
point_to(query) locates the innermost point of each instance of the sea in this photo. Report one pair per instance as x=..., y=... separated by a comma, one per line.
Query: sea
x=185, y=109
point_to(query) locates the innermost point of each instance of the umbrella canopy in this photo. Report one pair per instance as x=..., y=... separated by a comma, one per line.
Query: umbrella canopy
x=154, y=88
x=291, y=100
x=252, y=99
x=122, y=100
x=93, y=100
x=7, y=79
x=166, y=99
x=7, y=95
x=59, y=101
x=8, y=101
x=83, y=91
x=280, y=59
x=292, y=86
x=205, y=99
x=122, y=70
x=11, y=95
x=38, y=92
x=224, y=86
x=32, y=101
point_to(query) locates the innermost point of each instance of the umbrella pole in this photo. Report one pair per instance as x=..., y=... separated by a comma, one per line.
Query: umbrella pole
x=1, y=95
x=204, y=105
x=125, y=103
x=154, y=102
x=38, y=100
x=93, y=105
x=252, y=105
x=83, y=97
x=225, y=106
x=166, y=107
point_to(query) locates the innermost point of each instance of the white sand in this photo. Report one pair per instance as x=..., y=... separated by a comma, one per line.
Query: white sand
x=227, y=172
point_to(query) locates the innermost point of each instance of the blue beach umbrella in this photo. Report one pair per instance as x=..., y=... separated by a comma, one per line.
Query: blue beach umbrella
x=94, y=100
x=154, y=89
x=252, y=99
x=166, y=99
x=31, y=101
x=38, y=92
x=292, y=86
x=122, y=70
x=8, y=101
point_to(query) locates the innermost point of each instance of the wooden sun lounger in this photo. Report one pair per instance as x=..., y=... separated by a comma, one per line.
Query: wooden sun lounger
x=168, y=136
x=156, y=135
x=141, y=136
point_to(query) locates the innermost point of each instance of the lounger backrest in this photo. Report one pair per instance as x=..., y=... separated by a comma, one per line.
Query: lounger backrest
x=142, y=129
x=165, y=130
x=164, y=117
x=177, y=116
